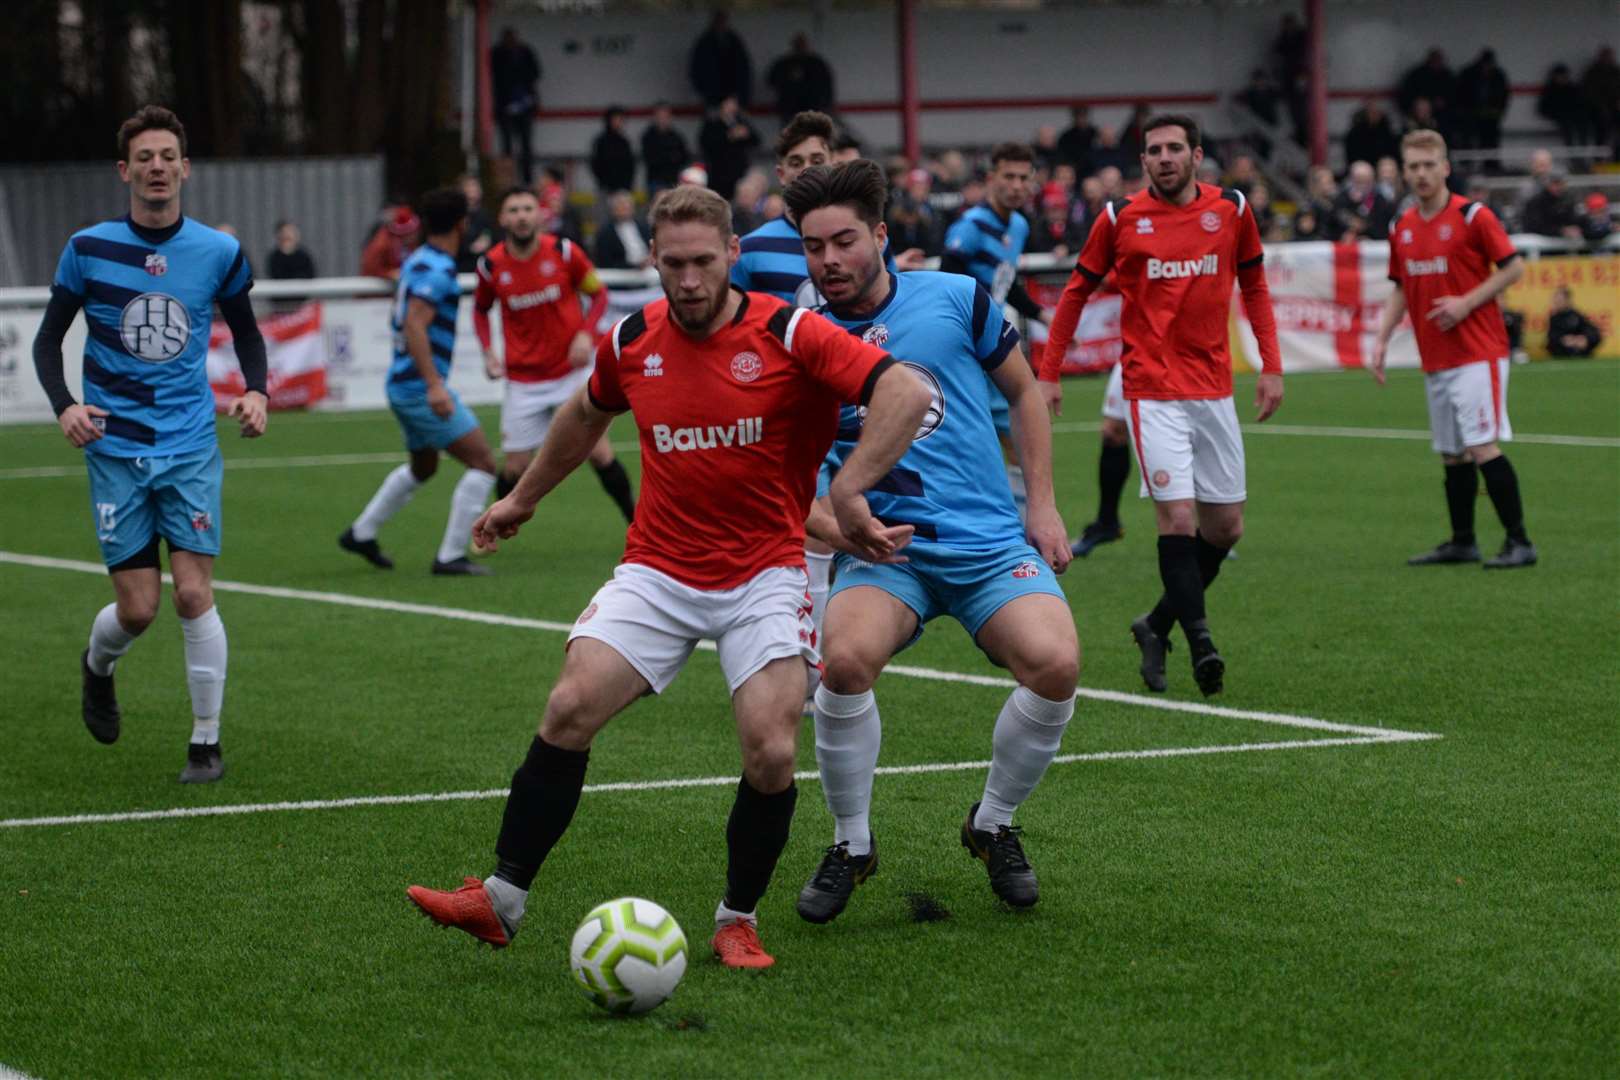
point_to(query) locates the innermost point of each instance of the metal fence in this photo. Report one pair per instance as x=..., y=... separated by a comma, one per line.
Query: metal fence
x=334, y=200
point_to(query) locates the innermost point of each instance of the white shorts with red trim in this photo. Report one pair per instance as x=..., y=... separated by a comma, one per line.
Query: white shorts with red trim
x=1468, y=406
x=1189, y=450
x=655, y=622
x=529, y=407
x=1113, y=404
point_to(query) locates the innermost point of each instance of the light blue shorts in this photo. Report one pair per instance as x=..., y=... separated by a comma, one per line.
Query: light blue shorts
x=135, y=500
x=969, y=586
x=423, y=429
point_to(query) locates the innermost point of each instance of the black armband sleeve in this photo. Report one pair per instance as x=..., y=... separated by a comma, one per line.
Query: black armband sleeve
x=952, y=263
x=250, y=353
x=59, y=313
x=1022, y=302
x=873, y=376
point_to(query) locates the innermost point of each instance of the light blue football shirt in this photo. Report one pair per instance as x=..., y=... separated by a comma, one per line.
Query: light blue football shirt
x=428, y=274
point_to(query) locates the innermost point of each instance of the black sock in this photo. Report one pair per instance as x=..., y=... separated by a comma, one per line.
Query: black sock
x=1502, y=485
x=1113, y=469
x=616, y=482
x=1462, y=488
x=545, y=792
x=1183, y=583
x=755, y=836
x=1210, y=558
x=504, y=483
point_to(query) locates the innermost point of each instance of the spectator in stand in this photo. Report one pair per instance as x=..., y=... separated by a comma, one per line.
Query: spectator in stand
x=1112, y=181
x=1370, y=137
x=1569, y=333
x=289, y=261
x=748, y=202
x=801, y=80
x=1421, y=118
x=1596, y=222
x=1390, y=185
x=720, y=67
x=1359, y=210
x=913, y=222
x=1601, y=85
x=623, y=242
x=1551, y=211
x=663, y=150
x=1541, y=164
x=846, y=147
x=558, y=215
x=1241, y=174
x=1260, y=96
x=1482, y=100
x=1074, y=144
x=1045, y=146
x=1432, y=81
x=1085, y=210
x=385, y=252
x=1053, y=233
x=1307, y=224
x=1323, y=190
x=514, y=71
x=1287, y=57
x=1271, y=230
x=727, y=141
x=613, y=161
x=1106, y=153
x=953, y=172
x=1130, y=140
x=1565, y=106
x=480, y=235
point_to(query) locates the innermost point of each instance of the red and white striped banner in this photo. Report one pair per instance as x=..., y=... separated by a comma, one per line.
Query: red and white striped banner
x=297, y=353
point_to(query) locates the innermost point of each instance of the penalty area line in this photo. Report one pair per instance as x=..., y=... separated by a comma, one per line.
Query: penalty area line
x=671, y=785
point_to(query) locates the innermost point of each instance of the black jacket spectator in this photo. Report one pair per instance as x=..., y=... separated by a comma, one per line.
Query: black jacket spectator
x=1550, y=211
x=1563, y=104
x=1569, y=333
x=610, y=248
x=1370, y=136
x=289, y=259
x=663, y=151
x=1431, y=79
x=1600, y=82
x=1075, y=143
x=613, y=162
x=720, y=67
x=801, y=80
x=727, y=141
x=515, y=73
x=1361, y=207
x=1482, y=99
x=913, y=224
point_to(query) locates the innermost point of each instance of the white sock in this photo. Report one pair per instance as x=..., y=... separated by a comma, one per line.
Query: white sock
x=724, y=916
x=1028, y=732
x=848, y=735
x=205, y=673
x=508, y=901
x=108, y=640
x=466, y=503
x=396, y=490
x=1015, y=481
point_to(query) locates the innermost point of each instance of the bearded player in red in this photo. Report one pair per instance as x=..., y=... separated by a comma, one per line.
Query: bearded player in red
x=1175, y=250
x=538, y=280
x=736, y=398
x=1449, y=259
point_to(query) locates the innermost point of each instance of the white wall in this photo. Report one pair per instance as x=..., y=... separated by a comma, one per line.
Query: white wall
x=635, y=58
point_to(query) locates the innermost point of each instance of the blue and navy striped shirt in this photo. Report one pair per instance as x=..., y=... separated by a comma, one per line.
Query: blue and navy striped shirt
x=148, y=301
x=990, y=245
x=428, y=274
x=950, y=484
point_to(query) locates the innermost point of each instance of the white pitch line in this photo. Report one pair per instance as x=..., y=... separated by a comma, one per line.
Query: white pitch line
x=668, y=785
x=8, y=1073
x=933, y=674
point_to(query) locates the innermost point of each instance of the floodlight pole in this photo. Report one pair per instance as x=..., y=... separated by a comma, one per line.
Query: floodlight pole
x=910, y=139
x=1316, y=114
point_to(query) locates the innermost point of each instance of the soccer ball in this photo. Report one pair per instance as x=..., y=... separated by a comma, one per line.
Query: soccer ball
x=628, y=955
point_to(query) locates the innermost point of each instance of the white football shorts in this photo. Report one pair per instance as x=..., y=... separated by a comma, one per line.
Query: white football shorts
x=1113, y=403
x=1468, y=406
x=1189, y=450
x=655, y=622
x=528, y=409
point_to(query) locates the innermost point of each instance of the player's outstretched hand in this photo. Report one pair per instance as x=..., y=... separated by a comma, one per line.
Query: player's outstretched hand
x=251, y=410
x=79, y=423
x=500, y=522
x=1447, y=311
x=1268, y=395
x=1052, y=393
x=1048, y=536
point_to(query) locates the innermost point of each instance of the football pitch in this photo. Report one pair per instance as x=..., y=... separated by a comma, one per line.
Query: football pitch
x=1389, y=848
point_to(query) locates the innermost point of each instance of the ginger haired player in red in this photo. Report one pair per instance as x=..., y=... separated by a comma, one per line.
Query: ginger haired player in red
x=1175, y=249
x=1449, y=259
x=736, y=398
x=538, y=278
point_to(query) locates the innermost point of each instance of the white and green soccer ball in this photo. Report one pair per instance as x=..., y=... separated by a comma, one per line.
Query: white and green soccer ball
x=628, y=955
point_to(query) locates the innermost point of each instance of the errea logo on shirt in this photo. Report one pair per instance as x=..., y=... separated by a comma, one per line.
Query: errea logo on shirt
x=1183, y=268
x=653, y=366
x=745, y=431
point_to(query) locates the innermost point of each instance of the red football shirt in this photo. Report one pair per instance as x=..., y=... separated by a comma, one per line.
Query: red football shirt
x=1175, y=267
x=1448, y=255
x=539, y=297
x=733, y=429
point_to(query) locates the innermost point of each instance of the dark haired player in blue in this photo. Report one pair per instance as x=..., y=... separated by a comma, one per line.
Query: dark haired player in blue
x=772, y=261
x=148, y=283
x=985, y=244
x=431, y=415
x=970, y=557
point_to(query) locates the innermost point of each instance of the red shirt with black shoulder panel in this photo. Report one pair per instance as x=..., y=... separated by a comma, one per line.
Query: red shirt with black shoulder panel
x=1448, y=255
x=540, y=310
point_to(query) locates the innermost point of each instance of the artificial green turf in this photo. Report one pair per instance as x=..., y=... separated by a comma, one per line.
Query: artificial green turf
x=1429, y=908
